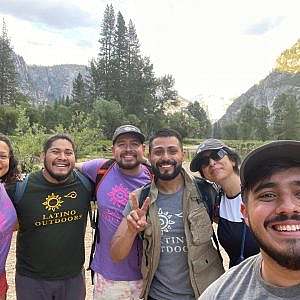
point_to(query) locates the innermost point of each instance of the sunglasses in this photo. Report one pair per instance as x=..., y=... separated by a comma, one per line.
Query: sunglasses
x=214, y=155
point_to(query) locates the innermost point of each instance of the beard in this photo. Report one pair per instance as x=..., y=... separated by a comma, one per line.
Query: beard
x=128, y=166
x=288, y=258
x=166, y=176
x=57, y=177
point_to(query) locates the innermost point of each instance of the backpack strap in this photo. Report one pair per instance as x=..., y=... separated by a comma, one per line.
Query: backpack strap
x=210, y=198
x=20, y=189
x=89, y=186
x=101, y=173
x=144, y=194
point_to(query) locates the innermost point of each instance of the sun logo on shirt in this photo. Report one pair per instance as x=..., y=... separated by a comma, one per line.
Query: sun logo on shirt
x=119, y=195
x=165, y=221
x=53, y=202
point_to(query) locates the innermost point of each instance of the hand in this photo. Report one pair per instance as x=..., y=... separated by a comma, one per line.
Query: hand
x=136, y=219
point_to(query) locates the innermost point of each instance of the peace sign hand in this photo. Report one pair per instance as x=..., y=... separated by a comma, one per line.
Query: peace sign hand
x=136, y=219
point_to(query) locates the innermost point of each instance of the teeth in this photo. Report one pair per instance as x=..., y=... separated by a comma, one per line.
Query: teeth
x=287, y=227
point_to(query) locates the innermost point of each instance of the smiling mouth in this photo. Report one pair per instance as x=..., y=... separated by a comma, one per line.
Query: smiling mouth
x=287, y=228
x=61, y=165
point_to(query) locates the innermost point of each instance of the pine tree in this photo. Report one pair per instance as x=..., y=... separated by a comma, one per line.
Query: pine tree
x=199, y=114
x=286, y=113
x=262, y=123
x=8, y=75
x=119, y=59
x=79, y=94
x=246, y=121
x=104, y=62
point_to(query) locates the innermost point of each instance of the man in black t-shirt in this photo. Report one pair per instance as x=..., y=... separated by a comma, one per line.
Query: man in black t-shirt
x=52, y=215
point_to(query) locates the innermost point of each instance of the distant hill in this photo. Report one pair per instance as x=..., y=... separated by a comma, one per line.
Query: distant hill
x=46, y=83
x=285, y=79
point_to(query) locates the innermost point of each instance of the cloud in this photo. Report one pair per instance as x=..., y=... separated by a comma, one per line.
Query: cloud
x=53, y=14
x=263, y=26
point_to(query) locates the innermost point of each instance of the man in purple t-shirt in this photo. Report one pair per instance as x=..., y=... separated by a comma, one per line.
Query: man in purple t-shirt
x=117, y=280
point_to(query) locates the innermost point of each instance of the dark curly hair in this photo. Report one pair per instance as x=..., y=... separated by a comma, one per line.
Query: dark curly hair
x=13, y=170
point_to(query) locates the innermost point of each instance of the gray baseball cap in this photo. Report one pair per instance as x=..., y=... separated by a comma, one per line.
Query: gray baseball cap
x=128, y=129
x=209, y=144
x=284, y=149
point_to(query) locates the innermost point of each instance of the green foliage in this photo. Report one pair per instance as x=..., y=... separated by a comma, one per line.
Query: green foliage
x=286, y=115
x=28, y=141
x=8, y=119
x=8, y=75
x=203, y=125
x=262, y=123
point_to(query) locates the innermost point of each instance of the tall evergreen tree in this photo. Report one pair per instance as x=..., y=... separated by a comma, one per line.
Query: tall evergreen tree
x=104, y=62
x=79, y=94
x=246, y=121
x=119, y=59
x=262, y=123
x=286, y=117
x=8, y=75
x=199, y=114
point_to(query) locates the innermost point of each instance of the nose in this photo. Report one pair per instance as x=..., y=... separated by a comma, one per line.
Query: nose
x=211, y=162
x=62, y=155
x=288, y=204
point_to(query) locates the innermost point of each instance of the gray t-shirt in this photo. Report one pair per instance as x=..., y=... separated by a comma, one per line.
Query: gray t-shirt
x=171, y=280
x=244, y=281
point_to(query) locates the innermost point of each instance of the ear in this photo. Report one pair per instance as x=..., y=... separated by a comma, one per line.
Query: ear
x=245, y=213
x=113, y=151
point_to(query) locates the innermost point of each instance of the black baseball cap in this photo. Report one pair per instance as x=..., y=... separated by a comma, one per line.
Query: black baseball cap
x=128, y=129
x=209, y=144
x=283, y=149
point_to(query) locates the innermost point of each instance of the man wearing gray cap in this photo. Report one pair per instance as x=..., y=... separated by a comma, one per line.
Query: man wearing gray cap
x=115, y=179
x=270, y=178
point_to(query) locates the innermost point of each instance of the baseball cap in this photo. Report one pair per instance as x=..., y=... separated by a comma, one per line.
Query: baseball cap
x=282, y=149
x=209, y=144
x=128, y=129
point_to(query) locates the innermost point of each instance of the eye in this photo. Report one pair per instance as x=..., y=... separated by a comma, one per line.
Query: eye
x=158, y=152
x=267, y=196
x=135, y=145
x=69, y=153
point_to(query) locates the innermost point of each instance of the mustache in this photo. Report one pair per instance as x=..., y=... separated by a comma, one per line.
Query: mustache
x=166, y=162
x=281, y=218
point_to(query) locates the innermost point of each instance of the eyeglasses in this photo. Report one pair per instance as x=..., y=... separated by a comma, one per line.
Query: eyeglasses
x=215, y=155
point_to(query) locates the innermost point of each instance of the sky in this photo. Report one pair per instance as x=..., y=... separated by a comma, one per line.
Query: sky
x=211, y=47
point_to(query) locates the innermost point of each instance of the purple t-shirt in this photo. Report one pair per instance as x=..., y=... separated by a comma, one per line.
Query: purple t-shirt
x=112, y=196
x=8, y=219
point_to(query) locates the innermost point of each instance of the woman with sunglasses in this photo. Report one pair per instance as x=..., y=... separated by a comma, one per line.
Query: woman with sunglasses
x=218, y=163
x=8, y=219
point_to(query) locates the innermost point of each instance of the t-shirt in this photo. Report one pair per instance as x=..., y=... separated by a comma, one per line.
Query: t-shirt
x=230, y=230
x=171, y=280
x=52, y=221
x=112, y=196
x=244, y=281
x=8, y=219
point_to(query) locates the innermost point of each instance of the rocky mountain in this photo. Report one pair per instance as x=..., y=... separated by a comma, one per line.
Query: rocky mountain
x=284, y=79
x=46, y=83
